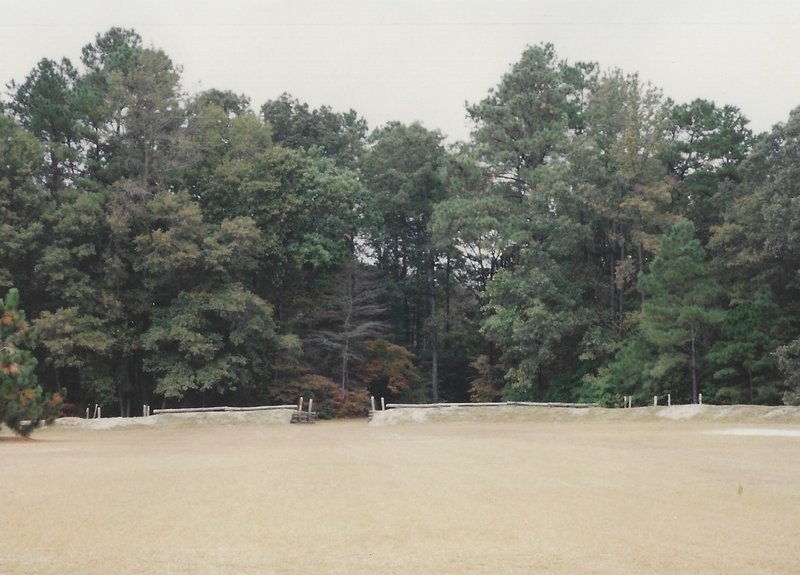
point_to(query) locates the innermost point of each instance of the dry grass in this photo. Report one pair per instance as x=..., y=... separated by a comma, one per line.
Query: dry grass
x=557, y=493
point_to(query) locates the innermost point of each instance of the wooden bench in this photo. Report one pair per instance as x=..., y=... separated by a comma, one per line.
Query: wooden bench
x=302, y=416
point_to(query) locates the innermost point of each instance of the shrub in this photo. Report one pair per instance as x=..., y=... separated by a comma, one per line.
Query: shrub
x=330, y=400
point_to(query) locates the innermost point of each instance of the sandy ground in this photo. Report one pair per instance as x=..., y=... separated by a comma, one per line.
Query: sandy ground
x=556, y=493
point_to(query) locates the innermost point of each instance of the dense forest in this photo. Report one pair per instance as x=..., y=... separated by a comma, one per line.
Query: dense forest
x=592, y=240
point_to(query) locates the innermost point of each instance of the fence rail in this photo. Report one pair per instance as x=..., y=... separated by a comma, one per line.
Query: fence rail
x=212, y=409
x=497, y=404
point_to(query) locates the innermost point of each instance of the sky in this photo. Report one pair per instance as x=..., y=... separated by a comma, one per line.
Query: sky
x=423, y=60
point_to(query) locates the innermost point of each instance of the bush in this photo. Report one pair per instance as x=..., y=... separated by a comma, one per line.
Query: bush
x=389, y=371
x=330, y=400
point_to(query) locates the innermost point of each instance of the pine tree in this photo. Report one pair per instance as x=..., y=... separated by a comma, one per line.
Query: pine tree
x=680, y=305
x=23, y=404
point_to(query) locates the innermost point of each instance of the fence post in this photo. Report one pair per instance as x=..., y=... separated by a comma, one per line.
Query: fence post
x=669, y=399
x=655, y=401
x=700, y=396
x=383, y=404
x=372, y=402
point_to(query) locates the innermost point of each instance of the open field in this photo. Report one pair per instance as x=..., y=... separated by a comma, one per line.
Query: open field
x=547, y=491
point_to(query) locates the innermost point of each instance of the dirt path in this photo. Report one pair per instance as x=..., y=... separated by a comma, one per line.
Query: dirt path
x=545, y=497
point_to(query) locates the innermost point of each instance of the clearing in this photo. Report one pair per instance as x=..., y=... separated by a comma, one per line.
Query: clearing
x=466, y=491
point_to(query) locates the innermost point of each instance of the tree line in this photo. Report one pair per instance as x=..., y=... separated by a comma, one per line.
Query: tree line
x=593, y=239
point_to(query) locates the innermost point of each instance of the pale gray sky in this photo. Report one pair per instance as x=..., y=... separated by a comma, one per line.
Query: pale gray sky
x=421, y=60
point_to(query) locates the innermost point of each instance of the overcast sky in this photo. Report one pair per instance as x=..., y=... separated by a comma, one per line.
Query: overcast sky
x=422, y=60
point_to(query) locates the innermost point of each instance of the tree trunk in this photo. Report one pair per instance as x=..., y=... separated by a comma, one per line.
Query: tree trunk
x=434, y=367
x=349, y=305
x=447, y=295
x=345, y=351
x=433, y=336
x=611, y=284
x=124, y=406
x=694, y=368
x=621, y=307
x=146, y=167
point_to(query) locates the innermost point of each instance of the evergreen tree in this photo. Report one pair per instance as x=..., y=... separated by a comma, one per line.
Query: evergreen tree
x=681, y=305
x=23, y=403
x=746, y=368
x=45, y=106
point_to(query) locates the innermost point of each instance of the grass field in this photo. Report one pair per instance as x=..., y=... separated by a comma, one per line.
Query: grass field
x=542, y=493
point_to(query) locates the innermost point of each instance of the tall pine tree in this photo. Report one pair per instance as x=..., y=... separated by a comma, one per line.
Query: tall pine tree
x=680, y=306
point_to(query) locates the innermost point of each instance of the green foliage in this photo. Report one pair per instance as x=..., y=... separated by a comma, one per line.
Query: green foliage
x=524, y=121
x=706, y=148
x=530, y=314
x=45, y=106
x=219, y=129
x=81, y=342
x=23, y=403
x=788, y=357
x=759, y=237
x=169, y=251
x=744, y=354
x=628, y=374
x=403, y=173
x=208, y=341
x=338, y=136
x=190, y=249
x=404, y=177
x=23, y=205
x=305, y=204
x=680, y=305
